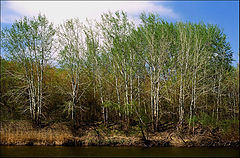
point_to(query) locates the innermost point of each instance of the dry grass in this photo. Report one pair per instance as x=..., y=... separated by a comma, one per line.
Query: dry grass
x=113, y=138
x=22, y=133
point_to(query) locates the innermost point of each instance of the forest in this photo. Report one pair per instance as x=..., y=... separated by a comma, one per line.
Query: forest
x=116, y=72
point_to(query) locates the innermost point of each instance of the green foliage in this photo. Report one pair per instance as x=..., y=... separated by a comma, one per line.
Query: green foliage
x=110, y=104
x=225, y=125
x=229, y=125
x=139, y=74
x=194, y=120
x=206, y=120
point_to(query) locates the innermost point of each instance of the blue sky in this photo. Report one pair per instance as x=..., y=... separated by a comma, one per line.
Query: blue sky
x=222, y=13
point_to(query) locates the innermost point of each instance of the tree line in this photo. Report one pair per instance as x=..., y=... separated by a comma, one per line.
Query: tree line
x=115, y=71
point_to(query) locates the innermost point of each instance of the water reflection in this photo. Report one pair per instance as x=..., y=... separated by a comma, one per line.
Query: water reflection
x=59, y=151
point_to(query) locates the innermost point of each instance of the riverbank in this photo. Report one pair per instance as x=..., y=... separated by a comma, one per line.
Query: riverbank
x=60, y=134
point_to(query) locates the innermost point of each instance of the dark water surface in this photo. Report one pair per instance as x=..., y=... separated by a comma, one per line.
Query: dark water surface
x=58, y=151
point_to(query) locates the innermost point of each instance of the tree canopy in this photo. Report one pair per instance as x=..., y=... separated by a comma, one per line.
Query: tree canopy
x=116, y=71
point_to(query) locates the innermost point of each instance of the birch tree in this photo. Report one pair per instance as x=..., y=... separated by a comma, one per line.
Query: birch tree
x=29, y=41
x=158, y=43
x=116, y=30
x=72, y=48
x=95, y=61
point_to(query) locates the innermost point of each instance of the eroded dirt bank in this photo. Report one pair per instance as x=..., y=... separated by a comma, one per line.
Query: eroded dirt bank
x=22, y=133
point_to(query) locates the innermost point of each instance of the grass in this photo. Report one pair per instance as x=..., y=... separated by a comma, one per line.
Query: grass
x=22, y=133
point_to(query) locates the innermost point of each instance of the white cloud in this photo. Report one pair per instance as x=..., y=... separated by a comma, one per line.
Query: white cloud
x=62, y=10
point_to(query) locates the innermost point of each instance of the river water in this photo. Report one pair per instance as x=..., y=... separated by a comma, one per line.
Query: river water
x=95, y=151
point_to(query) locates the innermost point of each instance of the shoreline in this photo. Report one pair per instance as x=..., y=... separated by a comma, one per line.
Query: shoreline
x=59, y=134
